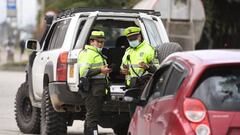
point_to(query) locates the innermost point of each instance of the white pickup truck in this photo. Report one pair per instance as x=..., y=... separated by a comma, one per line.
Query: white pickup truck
x=48, y=100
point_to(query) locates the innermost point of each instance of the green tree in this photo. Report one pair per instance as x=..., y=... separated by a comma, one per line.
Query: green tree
x=222, y=27
x=57, y=5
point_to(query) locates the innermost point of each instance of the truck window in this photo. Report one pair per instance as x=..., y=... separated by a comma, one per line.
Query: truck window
x=82, y=22
x=113, y=29
x=58, y=34
x=152, y=32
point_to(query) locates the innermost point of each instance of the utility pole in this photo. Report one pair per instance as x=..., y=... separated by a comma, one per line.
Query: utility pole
x=12, y=22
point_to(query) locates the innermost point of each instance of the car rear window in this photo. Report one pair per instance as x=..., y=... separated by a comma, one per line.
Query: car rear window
x=219, y=88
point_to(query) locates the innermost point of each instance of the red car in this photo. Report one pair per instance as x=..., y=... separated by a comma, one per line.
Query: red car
x=193, y=93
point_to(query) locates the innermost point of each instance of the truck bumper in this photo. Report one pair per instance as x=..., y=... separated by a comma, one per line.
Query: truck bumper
x=65, y=100
x=62, y=98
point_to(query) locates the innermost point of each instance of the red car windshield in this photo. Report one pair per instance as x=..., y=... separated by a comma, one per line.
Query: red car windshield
x=219, y=88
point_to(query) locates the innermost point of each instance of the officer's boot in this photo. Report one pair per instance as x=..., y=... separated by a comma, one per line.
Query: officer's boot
x=91, y=131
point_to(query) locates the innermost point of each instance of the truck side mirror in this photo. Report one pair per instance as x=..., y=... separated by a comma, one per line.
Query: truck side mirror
x=32, y=45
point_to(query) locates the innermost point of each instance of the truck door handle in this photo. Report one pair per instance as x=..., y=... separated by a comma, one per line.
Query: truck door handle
x=148, y=116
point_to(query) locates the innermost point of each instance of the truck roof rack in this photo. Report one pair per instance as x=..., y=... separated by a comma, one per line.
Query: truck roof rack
x=69, y=12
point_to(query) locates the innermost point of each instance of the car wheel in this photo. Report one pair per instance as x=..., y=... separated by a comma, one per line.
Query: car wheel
x=166, y=49
x=27, y=116
x=121, y=129
x=52, y=122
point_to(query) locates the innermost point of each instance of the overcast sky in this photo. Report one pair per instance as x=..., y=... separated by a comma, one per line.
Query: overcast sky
x=27, y=11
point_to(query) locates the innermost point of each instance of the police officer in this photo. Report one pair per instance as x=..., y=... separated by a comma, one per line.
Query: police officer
x=138, y=61
x=93, y=65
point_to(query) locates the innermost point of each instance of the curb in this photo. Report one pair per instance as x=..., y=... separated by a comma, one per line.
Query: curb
x=20, y=69
x=13, y=67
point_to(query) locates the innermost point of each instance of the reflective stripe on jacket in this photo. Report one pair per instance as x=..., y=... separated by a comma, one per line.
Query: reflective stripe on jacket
x=89, y=59
x=133, y=56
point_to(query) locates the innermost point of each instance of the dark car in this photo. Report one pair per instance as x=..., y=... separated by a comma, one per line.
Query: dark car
x=196, y=92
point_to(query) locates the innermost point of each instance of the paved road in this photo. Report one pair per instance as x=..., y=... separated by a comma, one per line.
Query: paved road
x=9, y=83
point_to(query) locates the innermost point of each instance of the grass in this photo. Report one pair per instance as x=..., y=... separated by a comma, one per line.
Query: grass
x=14, y=66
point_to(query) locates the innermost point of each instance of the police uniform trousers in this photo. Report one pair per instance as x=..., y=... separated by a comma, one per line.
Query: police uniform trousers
x=93, y=102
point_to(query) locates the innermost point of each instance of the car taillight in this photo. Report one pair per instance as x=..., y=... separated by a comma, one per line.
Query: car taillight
x=194, y=110
x=62, y=66
x=196, y=113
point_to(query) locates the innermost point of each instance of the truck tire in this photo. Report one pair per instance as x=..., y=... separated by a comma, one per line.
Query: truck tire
x=121, y=129
x=27, y=116
x=52, y=122
x=166, y=49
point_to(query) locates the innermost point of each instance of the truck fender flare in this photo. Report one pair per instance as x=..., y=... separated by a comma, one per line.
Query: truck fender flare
x=49, y=72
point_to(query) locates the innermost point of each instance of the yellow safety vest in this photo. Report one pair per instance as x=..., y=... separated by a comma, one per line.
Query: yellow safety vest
x=90, y=58
x=133, y=56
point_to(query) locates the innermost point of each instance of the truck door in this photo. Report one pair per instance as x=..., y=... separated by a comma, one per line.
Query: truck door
x=73, y=69
x=40, y=62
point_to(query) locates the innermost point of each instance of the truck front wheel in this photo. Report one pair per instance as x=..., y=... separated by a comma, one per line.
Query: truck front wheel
x=27, y=116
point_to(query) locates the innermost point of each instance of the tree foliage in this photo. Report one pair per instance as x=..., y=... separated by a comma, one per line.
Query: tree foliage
x=222, y=28
x=57, y=5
